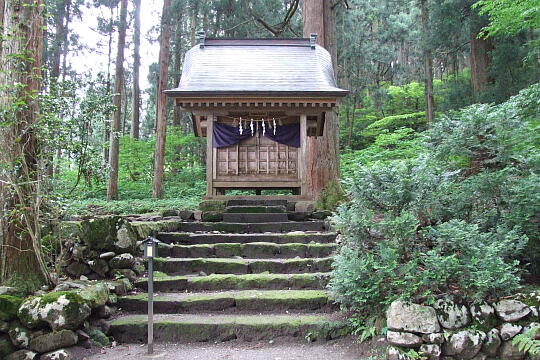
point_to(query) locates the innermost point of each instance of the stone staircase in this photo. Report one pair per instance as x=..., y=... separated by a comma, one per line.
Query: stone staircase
x=254, y=276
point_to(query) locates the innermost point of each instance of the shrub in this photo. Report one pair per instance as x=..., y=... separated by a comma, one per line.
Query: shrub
x=454, y=219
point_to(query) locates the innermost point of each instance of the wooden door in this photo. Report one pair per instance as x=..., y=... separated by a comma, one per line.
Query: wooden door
x=257, y=159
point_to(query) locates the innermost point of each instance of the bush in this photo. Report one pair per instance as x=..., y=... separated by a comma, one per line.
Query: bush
x=454, y=219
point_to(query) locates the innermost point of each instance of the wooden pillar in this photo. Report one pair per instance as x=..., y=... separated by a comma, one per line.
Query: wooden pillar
x=302, y=156
x=209, y=155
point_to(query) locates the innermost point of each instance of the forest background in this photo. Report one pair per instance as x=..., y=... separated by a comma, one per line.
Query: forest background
x=381, y=51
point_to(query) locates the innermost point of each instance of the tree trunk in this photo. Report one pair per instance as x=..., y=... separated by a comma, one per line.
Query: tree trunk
x=480, y=61
x=428, y=64
x=114, y=143
x=193, y=22
x=20, y=63
x=161, y=111
x=106, y=125
x=2, y=11
x=322, y=152
x=135, y=120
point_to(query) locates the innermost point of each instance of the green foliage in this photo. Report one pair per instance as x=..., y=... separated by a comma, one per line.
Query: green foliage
x=526, y=342
x=415, y=121
x=454, y=219
x=509, y=17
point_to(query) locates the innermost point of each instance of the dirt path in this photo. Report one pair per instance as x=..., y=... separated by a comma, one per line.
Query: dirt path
x=340, y=350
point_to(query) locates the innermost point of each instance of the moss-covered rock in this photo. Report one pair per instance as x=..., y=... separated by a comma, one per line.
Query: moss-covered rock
x=95, y=295
x=22, y=355
x=228, y=250
x=99, y=338
x=9, y=306
x=28, y=313
x=122, y=261
x=63, y=310
x=6, y=347
x=212, y=205
x=212, y=216
x=100, y=233
x=53, y=341
x=19, y=335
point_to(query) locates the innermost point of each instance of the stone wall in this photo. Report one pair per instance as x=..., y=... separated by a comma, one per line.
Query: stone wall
x=453, y=330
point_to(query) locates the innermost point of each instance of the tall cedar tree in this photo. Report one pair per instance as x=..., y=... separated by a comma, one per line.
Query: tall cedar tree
x=428, y=63
x=135, y=120
x=161, y=113
x=323, y=151
x=114, y=143
x=20, y=64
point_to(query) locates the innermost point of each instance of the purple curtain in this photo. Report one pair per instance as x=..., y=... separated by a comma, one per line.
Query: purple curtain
x=225, y=135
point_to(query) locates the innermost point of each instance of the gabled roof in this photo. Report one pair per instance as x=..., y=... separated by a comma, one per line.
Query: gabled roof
x=257, y=67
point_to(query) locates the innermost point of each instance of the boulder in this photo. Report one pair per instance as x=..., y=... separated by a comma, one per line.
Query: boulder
x=19, y=335
x=122, y=261
x=393, y=353
x=451, y=315
x=430, y=351
x=402, y=316
x=107, y=255
x=508, y=331
x=9, y=305
x=95, y=295
x=63, y=310
x=403, y=339
x=8, y=290
x=99, y=338
x=435, y=338
x=99, y=266
x=120, y=286
x=169, y=213
x=53, y=341
x=464, y=345
x=102, y=312
x=512, y=310
x=510, y=352
x=22, y=355
x=484, y=314
x=61, y=354
x=100, y=233
x=28, y=313
x=492, y=343
x=127, y=273
x=126, y=238
x=76, y=269
x=4, y=326
x=6, y=347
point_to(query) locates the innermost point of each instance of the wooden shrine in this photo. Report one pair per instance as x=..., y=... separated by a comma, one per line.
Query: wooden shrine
x=256, y=101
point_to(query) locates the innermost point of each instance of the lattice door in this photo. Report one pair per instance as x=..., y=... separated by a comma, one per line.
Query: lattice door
x=257, y=156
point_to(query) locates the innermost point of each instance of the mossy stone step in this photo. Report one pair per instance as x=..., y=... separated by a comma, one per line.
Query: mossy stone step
x=184, y=266
x=238, y=301
x=249, y=228
x=251, y=218
x=237, y=282
x=186, y=238
x=256, y=209
x=260, y=250
x=213, y=327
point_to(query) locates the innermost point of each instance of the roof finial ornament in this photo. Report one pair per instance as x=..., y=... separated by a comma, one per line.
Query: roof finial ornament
x=313, y=39
x=202, y=36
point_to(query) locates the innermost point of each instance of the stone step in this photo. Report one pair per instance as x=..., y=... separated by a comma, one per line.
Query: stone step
x=261, y=250
x=185, y=238
x=216, y=327
x=256, y=209
x=254, y=218
x=184, y=266
x=257, y=202
x=237, y=282
x=229, y=301
x=231, y=227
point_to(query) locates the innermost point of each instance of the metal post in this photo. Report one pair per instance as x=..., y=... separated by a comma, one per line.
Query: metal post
x=150, y=305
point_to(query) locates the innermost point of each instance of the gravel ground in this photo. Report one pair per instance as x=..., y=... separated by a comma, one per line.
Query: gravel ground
x=339, y=350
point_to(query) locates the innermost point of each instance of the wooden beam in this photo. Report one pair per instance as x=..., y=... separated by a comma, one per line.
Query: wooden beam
x=209, y=155
x=302, y=156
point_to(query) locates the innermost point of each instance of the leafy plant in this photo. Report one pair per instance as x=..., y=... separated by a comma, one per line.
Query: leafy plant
x=526, y=342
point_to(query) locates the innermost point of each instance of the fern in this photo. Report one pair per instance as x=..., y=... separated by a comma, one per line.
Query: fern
x=526, y=343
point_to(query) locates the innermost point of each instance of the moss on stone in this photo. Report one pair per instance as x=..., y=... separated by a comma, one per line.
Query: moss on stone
x=9, y=305
x=212, y=205
x=212, y=216
x=228, y=249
